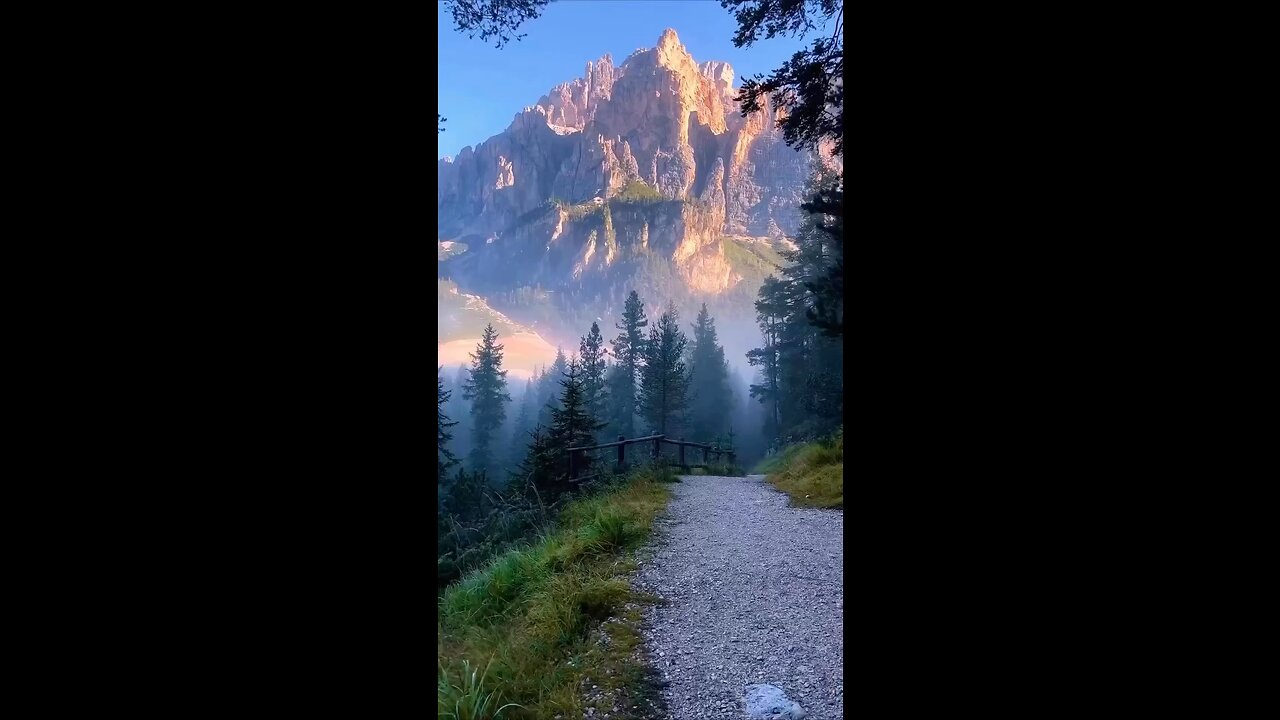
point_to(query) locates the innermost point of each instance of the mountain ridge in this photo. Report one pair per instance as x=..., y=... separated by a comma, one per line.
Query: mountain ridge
x=639, y=176
x=659, y=117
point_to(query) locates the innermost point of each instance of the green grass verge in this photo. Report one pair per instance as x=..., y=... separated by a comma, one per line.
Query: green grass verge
x=526, y=629
x=812, y=473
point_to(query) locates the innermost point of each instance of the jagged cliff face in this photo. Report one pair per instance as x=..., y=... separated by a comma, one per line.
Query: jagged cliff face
x=551, y=240
x=658, y=117
x=567, y=248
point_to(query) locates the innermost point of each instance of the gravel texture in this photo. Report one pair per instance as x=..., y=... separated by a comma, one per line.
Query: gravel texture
x=753, y=593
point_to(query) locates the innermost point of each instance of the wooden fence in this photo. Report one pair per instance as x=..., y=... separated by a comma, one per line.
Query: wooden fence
x=578, y=458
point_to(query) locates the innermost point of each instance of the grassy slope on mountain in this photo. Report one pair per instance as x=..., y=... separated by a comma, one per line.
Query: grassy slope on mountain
x=811, y=473
x=533, y=616
x=463, y=317
x=461, y=322
x=752, y=259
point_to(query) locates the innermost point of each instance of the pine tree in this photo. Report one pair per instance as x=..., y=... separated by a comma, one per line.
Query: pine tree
x=826, y=212
x=592, y=356
x=665, y=386
x=459, y=410
x=812, y=351
x=525, y=422
x=770, y=313
x=443, y=436
x=710, y=403
x=572, y=425
x=536, y=471
x=549, y=388
x=801, y=317
x=466, y=500
x=628, y=352
x=486, y=388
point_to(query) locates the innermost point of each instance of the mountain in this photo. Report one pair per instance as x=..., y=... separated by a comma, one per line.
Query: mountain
x=638, y=176
x=462, y=317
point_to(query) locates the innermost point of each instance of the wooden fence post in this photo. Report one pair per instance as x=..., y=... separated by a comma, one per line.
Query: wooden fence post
x=681, y=452
x=657, y=448
x=573, y=469
x=622, y=453
x=704, y=455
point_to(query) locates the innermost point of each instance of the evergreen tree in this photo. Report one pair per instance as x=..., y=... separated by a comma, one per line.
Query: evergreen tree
x=536, y=471
x=486, y=388
x=459, y=410
x=827, y=287
x=810, y=89
x=619, y=414
x=525, y=422
x=549, y=389
x=665, y=386
x=572, y=424
x=466, y=500
x=628, y=352
x=710, y=404
x=817, y=263
x=592, y=356
x=812, y=350
x=443, y=436
x=770, y=311
x=801, y=359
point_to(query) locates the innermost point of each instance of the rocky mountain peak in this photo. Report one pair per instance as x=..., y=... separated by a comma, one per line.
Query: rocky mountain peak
x=720, y=73
x=659, y=117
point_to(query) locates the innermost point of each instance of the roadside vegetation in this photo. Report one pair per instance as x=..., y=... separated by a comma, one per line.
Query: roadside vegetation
x=811, y=473
x=521, y=637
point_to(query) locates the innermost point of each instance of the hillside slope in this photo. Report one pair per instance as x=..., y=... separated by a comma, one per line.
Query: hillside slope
x=462, y=319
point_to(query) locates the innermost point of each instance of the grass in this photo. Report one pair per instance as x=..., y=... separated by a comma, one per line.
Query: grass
x=468, y=701
x=752, y=259
x=638, y=191
x=533, y=616
x=812, y=473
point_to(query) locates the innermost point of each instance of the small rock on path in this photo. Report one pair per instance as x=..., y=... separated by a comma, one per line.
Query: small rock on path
x=754, y=593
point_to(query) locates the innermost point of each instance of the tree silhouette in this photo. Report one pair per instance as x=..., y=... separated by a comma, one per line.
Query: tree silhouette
x=664, y=391
x=486, y=388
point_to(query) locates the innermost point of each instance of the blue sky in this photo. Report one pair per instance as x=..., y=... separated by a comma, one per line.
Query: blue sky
x=482, y=88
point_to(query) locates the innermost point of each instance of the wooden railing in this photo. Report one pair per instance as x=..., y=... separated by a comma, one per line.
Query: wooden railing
x=577, y=454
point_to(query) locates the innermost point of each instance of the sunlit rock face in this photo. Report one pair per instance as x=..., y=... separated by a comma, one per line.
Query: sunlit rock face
x=659, y=117
x=639, y=169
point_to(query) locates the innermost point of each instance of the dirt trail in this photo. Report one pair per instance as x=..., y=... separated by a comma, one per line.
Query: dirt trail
x=754, y=593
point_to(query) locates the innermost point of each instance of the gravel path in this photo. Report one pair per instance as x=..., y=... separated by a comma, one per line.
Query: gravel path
x=754, y=593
